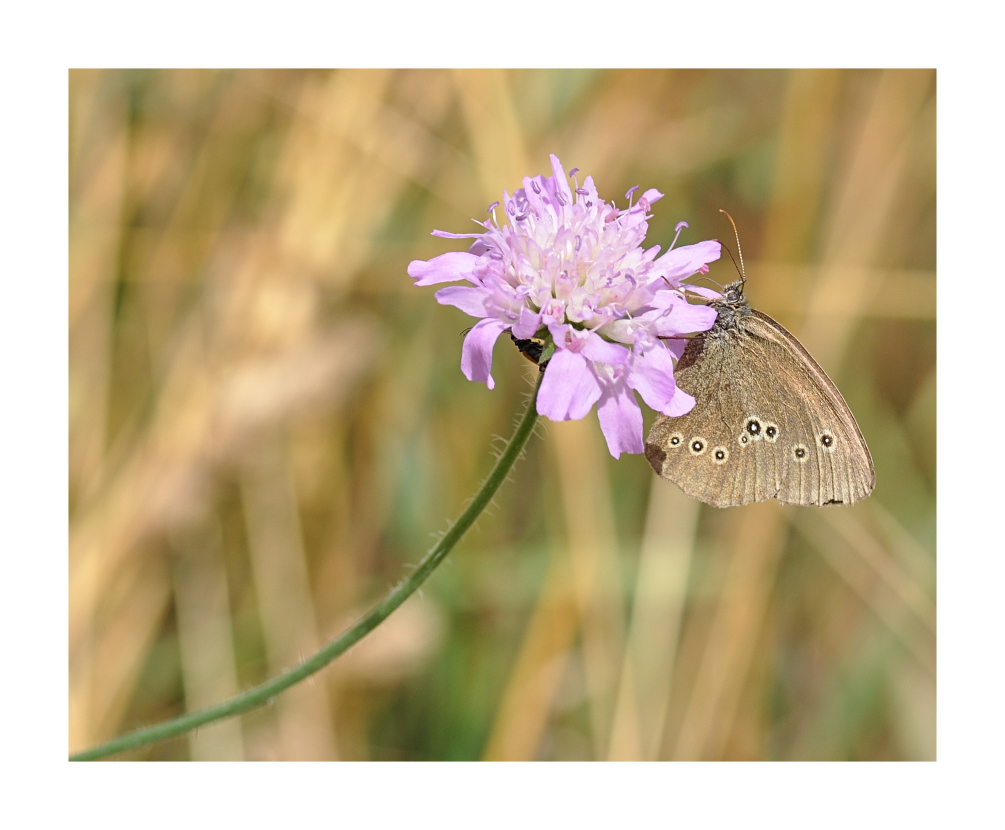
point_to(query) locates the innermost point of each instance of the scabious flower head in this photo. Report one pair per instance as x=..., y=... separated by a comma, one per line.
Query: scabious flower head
x=570, y=268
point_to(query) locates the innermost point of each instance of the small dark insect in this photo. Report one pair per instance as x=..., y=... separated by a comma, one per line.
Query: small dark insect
x=532, y=348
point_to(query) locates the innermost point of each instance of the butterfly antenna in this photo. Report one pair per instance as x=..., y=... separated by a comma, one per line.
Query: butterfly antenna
x=703, y=277
x=737, y=267
x=743, y=273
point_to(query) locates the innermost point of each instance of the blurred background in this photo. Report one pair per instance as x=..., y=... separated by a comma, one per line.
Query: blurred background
x=268, y=424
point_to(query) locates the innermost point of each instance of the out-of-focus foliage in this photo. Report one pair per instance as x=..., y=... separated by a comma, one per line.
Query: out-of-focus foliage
x=268, y=422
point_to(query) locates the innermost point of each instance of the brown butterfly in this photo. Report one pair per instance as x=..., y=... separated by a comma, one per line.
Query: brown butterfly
x=767, y=423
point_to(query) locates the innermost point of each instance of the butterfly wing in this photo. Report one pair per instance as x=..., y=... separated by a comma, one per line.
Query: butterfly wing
x=837, y=467
x=767, y=423
x=699, y=451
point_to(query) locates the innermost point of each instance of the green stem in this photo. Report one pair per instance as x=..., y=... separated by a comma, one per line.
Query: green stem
x=260, y=695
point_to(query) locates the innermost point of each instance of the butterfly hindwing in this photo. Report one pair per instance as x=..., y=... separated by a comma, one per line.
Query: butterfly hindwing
x=837, y=467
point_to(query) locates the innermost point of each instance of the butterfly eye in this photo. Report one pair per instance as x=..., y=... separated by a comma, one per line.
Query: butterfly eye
x=720, y=455
x=753, y=428
x=827, y=440
x=800, y=452
x=697, y=446
x=676, y=439
x=770, y=433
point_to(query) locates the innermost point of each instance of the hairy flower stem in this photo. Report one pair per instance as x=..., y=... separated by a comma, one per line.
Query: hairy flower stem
x=261, y=695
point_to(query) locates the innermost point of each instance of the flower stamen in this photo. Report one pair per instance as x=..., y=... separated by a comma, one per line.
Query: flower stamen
x=679, y=227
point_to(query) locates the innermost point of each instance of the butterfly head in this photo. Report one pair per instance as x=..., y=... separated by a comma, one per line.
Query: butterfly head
x=732, y=294
x=731, y=306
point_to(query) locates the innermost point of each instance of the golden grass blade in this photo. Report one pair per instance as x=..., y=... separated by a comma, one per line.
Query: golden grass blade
x=863, y=210
x=206, y=637
x=589, y=525
x=98, y=180
x=647, y=674
x=757, y=544
x=527, y=701
x=918, y=563
x=807, y=121
x=863, y=578
x=581, y=593
x=285, y=605
x=910, y=593
x=496, y=136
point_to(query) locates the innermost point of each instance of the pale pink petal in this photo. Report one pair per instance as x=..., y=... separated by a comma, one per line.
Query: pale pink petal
x=569, y=388
x=560, y=333
x=561, y=180
x=470, y=300
x=666, y=298
x=679, y=263
x=538, y=198
x=620, y=419
x=457, y=265
x=527, y=325
x=637, y=214
x=702, y=291
x=476, y=355
x=682, y=317
x=652, y=377
x=596, y=348
x=680, y=404
x=449, y=235
x=676, y=346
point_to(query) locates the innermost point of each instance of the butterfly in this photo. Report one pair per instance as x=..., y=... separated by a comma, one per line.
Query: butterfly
x=767, y=421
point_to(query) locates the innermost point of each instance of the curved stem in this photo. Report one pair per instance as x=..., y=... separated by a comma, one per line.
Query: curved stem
x=260, y=695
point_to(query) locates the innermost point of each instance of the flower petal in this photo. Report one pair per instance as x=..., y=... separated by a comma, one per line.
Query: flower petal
x=560, y=334
x=676, y=346
x=469, y=299
x=702, y=291
x=596, y=348
x=450, y=235
x=527, y=325
x=476, y=355
x=591, y=191
x=681, y=317
x=456, y=265
x=620, y=419
x=679, y=263
x=561, y=180
x=652, y=377
x=680, y=404
x=652, y=195
x=569, y=388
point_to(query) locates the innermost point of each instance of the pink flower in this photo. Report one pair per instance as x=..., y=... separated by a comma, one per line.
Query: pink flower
x=570, y=268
